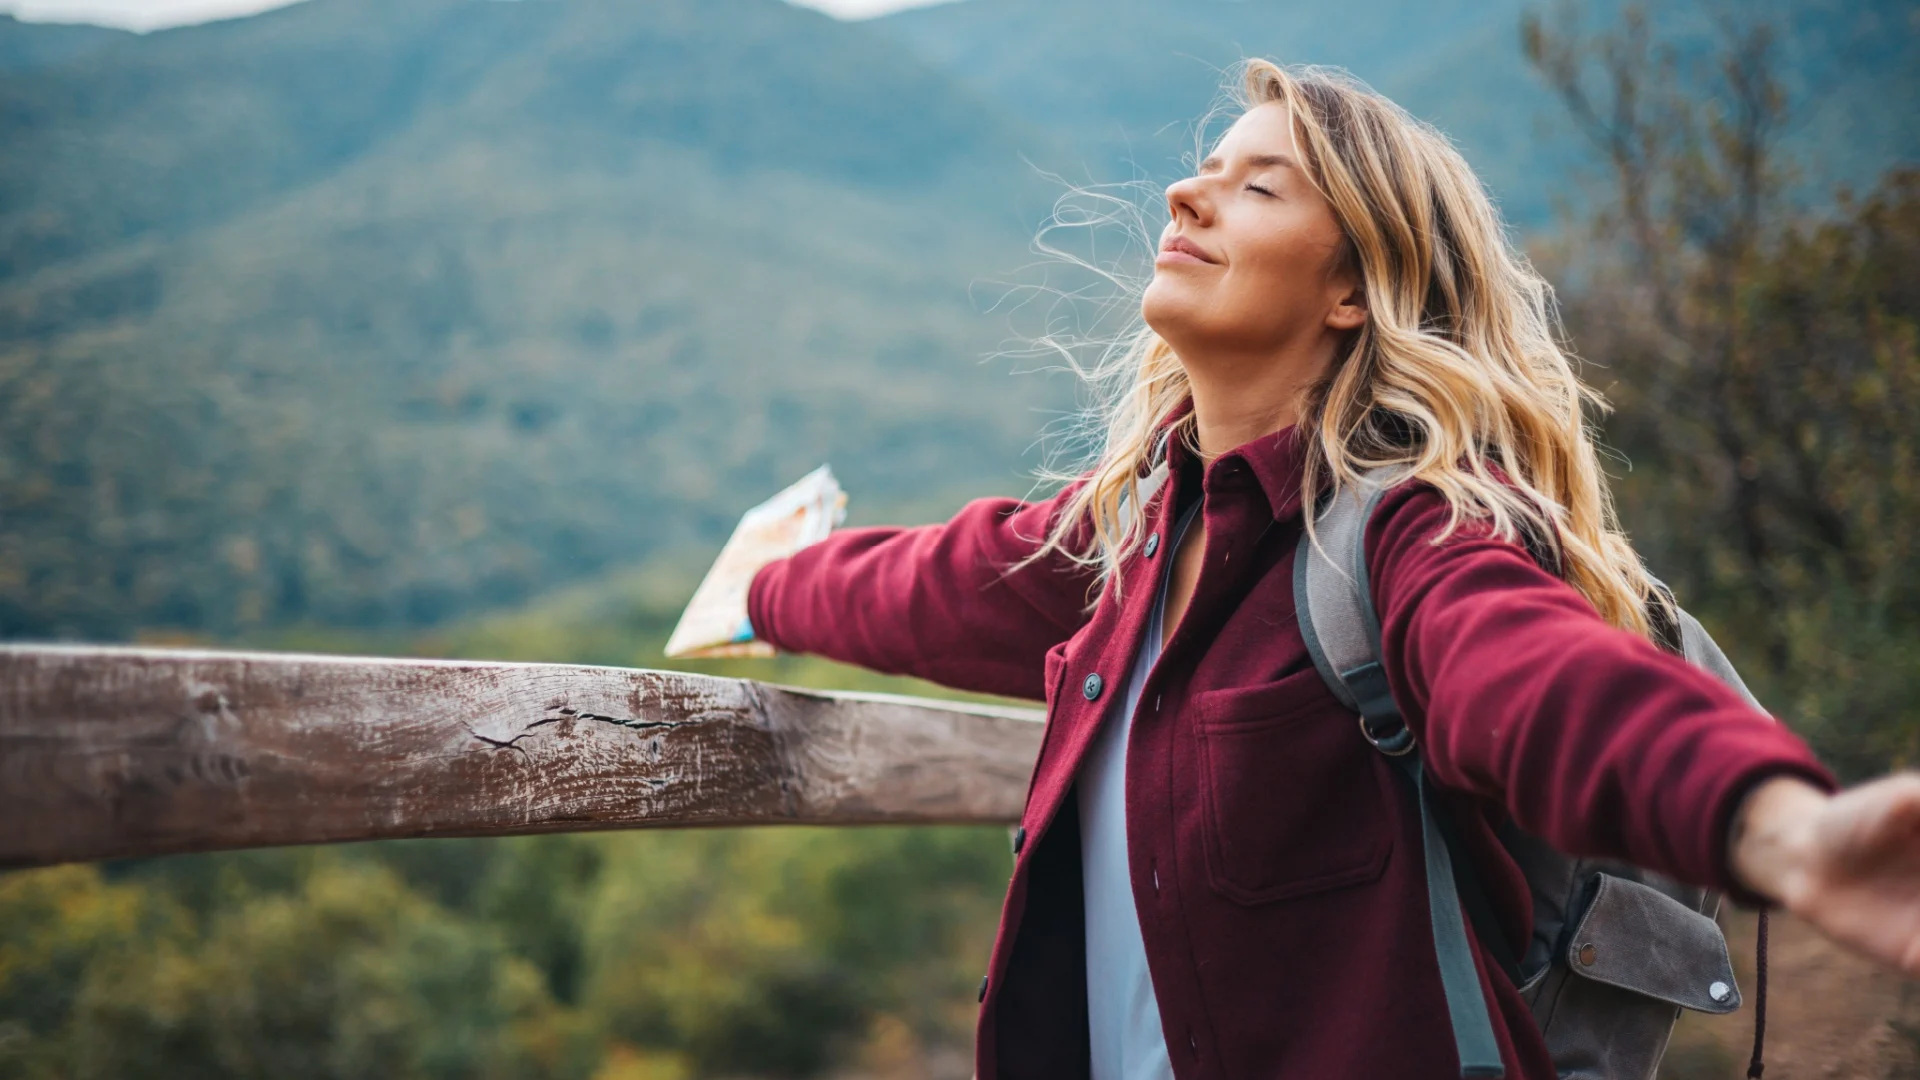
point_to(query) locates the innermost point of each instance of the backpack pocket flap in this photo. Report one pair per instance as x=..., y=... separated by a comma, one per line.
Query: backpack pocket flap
x=1638, y=938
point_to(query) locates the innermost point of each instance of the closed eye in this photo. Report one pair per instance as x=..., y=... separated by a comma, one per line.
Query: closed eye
x=1261, y=190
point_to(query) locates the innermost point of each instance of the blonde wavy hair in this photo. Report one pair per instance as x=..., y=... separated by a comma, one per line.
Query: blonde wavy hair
x=1458, y=378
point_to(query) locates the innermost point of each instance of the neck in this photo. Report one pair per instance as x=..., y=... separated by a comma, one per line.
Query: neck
x=1237, y=399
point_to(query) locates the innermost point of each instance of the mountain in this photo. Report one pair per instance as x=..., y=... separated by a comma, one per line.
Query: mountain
x=25, y=46
x=1130, y=77
x=363, y=313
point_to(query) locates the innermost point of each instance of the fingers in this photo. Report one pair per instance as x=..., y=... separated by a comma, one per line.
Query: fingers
x=1874, y=829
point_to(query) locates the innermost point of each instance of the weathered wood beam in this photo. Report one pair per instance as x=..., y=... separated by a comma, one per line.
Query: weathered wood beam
x=109, y=752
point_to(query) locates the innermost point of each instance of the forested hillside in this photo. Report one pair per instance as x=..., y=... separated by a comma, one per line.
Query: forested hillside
x=369, y=314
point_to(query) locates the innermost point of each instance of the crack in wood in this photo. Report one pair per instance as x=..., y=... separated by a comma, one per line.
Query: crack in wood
x=637, y=725
x=576, y=714
x=504, y=744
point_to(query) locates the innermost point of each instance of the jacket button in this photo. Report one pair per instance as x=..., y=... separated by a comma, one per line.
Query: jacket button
x=1588, y=954
x=1153, y=544
x=1019, y=839
x=983, y=988
x=1092, y=687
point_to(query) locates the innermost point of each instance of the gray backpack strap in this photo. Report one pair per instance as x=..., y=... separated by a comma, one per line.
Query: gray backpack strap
x=1703, y=652
x=1334, y=604
x=1682, y=634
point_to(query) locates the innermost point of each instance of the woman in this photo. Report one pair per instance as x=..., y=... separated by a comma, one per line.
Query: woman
x=1215, y=875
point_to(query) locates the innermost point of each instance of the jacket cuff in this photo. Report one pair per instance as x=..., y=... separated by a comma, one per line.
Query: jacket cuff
x=760, y=602
x=1732, y=797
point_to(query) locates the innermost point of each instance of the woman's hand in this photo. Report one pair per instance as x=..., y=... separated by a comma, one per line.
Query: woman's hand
x=715, y=622
x=1847, y=863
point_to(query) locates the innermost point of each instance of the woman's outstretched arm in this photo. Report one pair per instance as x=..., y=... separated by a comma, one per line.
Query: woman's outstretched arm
x=1602, y=743
x=1592, y=737
x=942, y=602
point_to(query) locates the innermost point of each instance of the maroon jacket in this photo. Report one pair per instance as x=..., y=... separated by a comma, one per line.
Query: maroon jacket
x=1276, y=864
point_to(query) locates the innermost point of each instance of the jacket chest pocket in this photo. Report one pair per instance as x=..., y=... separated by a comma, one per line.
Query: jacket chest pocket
x=1294, y=798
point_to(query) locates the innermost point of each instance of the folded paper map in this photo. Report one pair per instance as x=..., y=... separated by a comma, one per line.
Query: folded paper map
x=715, y=622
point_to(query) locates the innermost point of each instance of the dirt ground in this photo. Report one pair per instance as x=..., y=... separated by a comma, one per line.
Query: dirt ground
x=1830, y=1015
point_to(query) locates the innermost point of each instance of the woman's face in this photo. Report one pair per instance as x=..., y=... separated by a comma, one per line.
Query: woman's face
x=1247, y=265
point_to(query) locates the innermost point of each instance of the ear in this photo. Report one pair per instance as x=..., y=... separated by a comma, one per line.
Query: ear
x=1349, y=311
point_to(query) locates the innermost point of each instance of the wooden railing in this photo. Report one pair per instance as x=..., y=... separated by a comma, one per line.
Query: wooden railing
x=112, y=752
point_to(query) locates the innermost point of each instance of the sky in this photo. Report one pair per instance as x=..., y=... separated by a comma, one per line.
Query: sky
x=155, y=14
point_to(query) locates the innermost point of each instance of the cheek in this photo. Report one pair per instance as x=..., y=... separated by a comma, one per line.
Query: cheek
x=1283, y=277
x=1284, y=261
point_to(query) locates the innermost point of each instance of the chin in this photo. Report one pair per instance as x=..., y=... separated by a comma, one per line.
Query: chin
x=1168, y=308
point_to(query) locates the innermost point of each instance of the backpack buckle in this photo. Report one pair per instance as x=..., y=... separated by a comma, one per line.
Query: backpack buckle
x=1396, y=741
x=1380, y=719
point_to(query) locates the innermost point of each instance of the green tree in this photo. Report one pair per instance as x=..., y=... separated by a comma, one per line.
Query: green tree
x=348, y=974
x=771, y=952
x=55, y=927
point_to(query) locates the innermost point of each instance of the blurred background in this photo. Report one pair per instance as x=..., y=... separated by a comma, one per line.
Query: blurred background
x=468, y=328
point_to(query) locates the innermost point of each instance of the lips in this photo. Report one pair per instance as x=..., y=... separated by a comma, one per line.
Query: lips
x=1181, y=246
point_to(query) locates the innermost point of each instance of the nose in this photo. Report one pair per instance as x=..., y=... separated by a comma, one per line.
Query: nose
x=1189, y=199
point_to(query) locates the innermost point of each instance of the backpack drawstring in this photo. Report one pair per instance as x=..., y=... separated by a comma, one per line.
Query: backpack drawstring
x=1755, y=1067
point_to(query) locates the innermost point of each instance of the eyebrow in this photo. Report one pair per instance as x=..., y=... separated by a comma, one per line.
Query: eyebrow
x=1258, y=161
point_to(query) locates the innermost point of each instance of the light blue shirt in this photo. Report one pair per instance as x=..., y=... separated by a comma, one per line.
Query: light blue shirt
x=1123, y=1016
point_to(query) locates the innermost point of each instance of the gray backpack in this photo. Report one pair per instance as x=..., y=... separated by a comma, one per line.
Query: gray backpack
x=1617, y=951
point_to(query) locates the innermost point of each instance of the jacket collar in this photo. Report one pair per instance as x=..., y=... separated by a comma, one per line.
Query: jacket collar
x=1276, y=462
